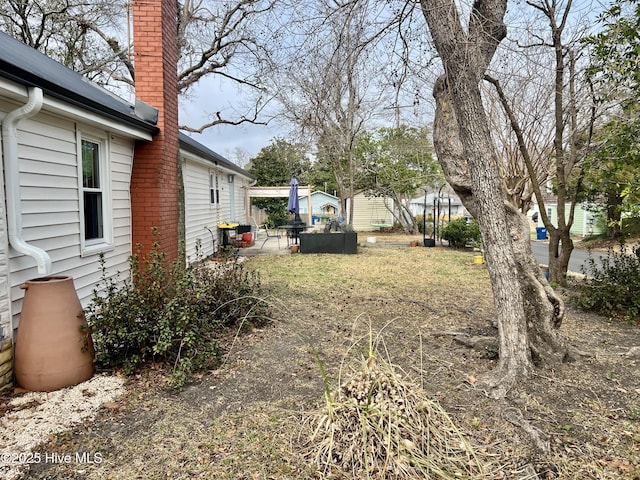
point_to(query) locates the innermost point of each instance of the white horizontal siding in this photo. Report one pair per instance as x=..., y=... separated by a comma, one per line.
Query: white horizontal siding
x=225, y=200
x=36, y=206
x=241, y=205
x=53, y=194
x=368, y=210
x=121, y=166
x=199, y=212
x=48, y=161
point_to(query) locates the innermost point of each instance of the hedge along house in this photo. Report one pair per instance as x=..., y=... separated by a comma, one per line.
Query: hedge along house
x=86, y=173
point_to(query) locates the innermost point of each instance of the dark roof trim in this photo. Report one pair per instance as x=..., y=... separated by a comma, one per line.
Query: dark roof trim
x=188, y=144
x=27, y=66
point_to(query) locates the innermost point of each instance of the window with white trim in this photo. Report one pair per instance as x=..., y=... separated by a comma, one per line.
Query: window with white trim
x=94, y=194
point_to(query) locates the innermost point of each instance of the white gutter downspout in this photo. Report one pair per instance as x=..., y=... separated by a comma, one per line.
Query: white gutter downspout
x=12, y=179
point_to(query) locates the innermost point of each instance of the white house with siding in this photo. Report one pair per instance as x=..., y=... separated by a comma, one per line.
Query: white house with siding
x=68, y=149
x=216, y=191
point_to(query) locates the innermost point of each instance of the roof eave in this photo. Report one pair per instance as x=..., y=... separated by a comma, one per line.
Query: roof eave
x=54, y=90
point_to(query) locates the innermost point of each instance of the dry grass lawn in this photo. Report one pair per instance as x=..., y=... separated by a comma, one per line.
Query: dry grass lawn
x=255, y=417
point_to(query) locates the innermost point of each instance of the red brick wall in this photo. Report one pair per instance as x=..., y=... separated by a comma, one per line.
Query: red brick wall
x=155, y=189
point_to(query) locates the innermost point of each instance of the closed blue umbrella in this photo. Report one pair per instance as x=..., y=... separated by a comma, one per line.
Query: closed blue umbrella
x=293, y=206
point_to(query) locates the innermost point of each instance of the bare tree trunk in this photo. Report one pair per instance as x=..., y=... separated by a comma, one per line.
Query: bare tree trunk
x=403, y=215
x=560, y=248
x=527, y=309
x=544, y=309
x=614, y=216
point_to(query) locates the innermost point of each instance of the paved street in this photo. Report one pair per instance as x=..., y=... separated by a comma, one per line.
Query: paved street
x=579, y=256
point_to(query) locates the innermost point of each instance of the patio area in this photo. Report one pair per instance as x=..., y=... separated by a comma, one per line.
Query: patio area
x=272, y=245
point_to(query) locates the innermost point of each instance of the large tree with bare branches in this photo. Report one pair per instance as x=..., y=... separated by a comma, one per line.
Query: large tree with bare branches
x=327, y=87
x=542, y=117
x=528, y=310
x=230, y=41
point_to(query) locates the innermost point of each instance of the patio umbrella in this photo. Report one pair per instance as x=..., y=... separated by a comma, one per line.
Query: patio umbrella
x=293, y=206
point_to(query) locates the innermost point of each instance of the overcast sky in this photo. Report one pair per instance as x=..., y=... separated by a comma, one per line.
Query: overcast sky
x=211, y=96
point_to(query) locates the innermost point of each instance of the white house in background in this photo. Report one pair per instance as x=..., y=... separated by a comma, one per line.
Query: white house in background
x=216, y=191
x=448, y=203
x=69, y=151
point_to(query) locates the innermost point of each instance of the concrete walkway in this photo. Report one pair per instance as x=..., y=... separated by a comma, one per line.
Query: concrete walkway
x=272, y=246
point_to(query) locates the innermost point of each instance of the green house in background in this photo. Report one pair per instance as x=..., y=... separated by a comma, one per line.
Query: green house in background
x=587, y=219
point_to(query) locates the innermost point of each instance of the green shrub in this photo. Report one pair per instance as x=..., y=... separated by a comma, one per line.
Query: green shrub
x=173, y=315
x=612, y=287
x=420, y=220
x=275, y=219
x=460, y=233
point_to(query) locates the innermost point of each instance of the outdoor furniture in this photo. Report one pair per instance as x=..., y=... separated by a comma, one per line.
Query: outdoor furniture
x=293, y=231
x=334, y=242
x=294, y=228
x=270, y=234
x=256, y=229
x=225, y=228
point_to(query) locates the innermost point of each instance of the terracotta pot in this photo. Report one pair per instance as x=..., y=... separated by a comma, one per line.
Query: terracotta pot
x=54, y=348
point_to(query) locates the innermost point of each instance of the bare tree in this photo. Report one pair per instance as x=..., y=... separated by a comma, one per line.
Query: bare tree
x=231, y=41
x=328, y=91
x=226, y=40
x=554, y=119
x=84, y=35
x=519, y=95
x=528, y=310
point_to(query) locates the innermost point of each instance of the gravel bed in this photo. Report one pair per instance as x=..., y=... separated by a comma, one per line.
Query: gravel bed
x=32, y=417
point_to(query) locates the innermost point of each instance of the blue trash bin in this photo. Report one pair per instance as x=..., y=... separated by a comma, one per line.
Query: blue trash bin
x=541, y=233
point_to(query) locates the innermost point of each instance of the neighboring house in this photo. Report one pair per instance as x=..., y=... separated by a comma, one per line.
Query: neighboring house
x=370, y=213
x=87, y=174
x=449, y=205
x=585, y=221
x=322, y=204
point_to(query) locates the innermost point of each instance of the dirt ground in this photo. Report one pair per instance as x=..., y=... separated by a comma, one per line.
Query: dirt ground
x=249, y=419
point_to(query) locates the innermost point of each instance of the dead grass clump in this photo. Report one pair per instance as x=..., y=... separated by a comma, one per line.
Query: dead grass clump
x=380, y=425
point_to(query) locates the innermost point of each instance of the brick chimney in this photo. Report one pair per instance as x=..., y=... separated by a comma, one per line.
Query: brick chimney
x=156, y=182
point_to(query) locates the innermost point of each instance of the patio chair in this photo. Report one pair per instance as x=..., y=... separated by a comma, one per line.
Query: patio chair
x=257, y=230
x=270, y=234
